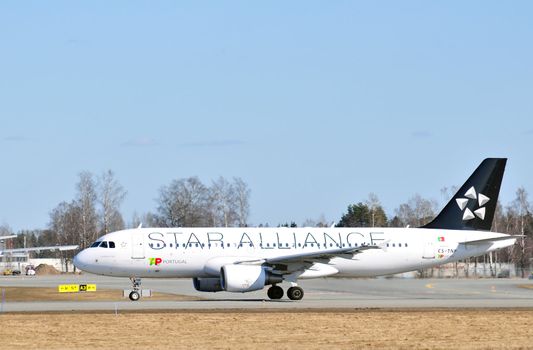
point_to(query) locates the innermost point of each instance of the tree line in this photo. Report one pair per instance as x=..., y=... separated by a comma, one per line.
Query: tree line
x=95, y=210
x=515, y=218
x=188, y=202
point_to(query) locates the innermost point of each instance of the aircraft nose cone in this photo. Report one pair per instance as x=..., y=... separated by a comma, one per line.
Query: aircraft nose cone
x=80, y=260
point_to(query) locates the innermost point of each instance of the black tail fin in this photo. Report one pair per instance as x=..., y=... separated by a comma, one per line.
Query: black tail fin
x=473, y=206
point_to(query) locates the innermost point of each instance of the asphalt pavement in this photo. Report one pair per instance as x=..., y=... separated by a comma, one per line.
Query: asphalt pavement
x=324, y=293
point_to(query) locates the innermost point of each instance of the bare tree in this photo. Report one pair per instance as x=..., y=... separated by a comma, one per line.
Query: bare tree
x=242, y=194
x=86, y=199
x=66, y=221
x=320, y=222
x=377, y=214
x=416, y=212
x=110, y=197
x=183, y=204
x=447, y=193
x=146, y=219
x=5, y=230
x=521, y=209
x=223, y=203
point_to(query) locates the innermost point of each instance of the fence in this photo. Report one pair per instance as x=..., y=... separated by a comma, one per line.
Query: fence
x=475, y=270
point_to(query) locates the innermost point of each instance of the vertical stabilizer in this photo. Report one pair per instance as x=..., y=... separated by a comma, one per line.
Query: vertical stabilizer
x=473, y=206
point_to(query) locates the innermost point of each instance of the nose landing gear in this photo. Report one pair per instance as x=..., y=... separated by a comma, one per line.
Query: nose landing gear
x=135, y=293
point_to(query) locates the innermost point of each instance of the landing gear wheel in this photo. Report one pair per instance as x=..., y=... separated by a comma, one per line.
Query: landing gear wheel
x=295, y=293
x=275, y=292
x=134, y=296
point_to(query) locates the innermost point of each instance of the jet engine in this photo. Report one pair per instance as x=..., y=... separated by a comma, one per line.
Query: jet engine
x=207, y=284
x=246, y=278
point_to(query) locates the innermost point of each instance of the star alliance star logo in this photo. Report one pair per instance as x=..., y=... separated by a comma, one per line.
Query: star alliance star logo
x=481, y=199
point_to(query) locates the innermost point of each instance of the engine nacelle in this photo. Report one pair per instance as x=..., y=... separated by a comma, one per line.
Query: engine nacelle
x=246, y=278
x=207, y=284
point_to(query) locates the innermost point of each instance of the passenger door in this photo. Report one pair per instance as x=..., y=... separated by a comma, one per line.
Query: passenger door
x=137, y=245
x=429, y=250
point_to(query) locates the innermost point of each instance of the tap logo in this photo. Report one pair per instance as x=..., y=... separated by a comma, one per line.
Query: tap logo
x=155, y=261
x=481, y=199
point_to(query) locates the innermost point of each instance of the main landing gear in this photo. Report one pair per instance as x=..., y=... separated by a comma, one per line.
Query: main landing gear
x=275, y=292
x=294, y=293
x=135, y=294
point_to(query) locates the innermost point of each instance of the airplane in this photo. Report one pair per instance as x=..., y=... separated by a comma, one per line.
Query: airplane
x=7, y=254
x=4, y=252
x=248, y=259
x=37, y=249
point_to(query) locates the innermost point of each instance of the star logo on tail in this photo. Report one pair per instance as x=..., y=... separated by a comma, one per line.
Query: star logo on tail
x=479, y=197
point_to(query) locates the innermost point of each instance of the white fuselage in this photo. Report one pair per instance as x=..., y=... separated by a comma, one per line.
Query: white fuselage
x=201, y=252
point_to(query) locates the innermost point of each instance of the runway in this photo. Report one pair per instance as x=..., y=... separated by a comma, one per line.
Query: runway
x=328, y=293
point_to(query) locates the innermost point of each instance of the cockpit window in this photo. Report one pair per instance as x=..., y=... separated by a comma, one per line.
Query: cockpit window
x=103, y=244
x=95, y=244
x=111, y=244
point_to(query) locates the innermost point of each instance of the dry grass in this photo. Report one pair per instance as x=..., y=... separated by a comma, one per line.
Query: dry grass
x=527, y=286
x=376, y=329
x=51, y=294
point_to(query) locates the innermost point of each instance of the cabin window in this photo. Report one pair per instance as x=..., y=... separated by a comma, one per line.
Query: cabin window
x=405, y=245
x=399, y=245
x=393, y=245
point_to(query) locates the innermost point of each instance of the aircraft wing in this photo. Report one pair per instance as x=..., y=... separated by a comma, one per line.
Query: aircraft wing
x=491, y=240
x=312, y=257
x=7, y=237
x=38, y=249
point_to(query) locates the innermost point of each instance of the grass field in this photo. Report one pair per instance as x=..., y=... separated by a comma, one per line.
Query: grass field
x=351, y=329
x=14, y=294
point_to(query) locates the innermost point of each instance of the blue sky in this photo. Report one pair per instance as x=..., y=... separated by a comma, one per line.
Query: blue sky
x=313, y=104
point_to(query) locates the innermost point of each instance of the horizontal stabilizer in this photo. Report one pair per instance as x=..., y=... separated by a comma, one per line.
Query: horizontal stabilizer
x=490, y=240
